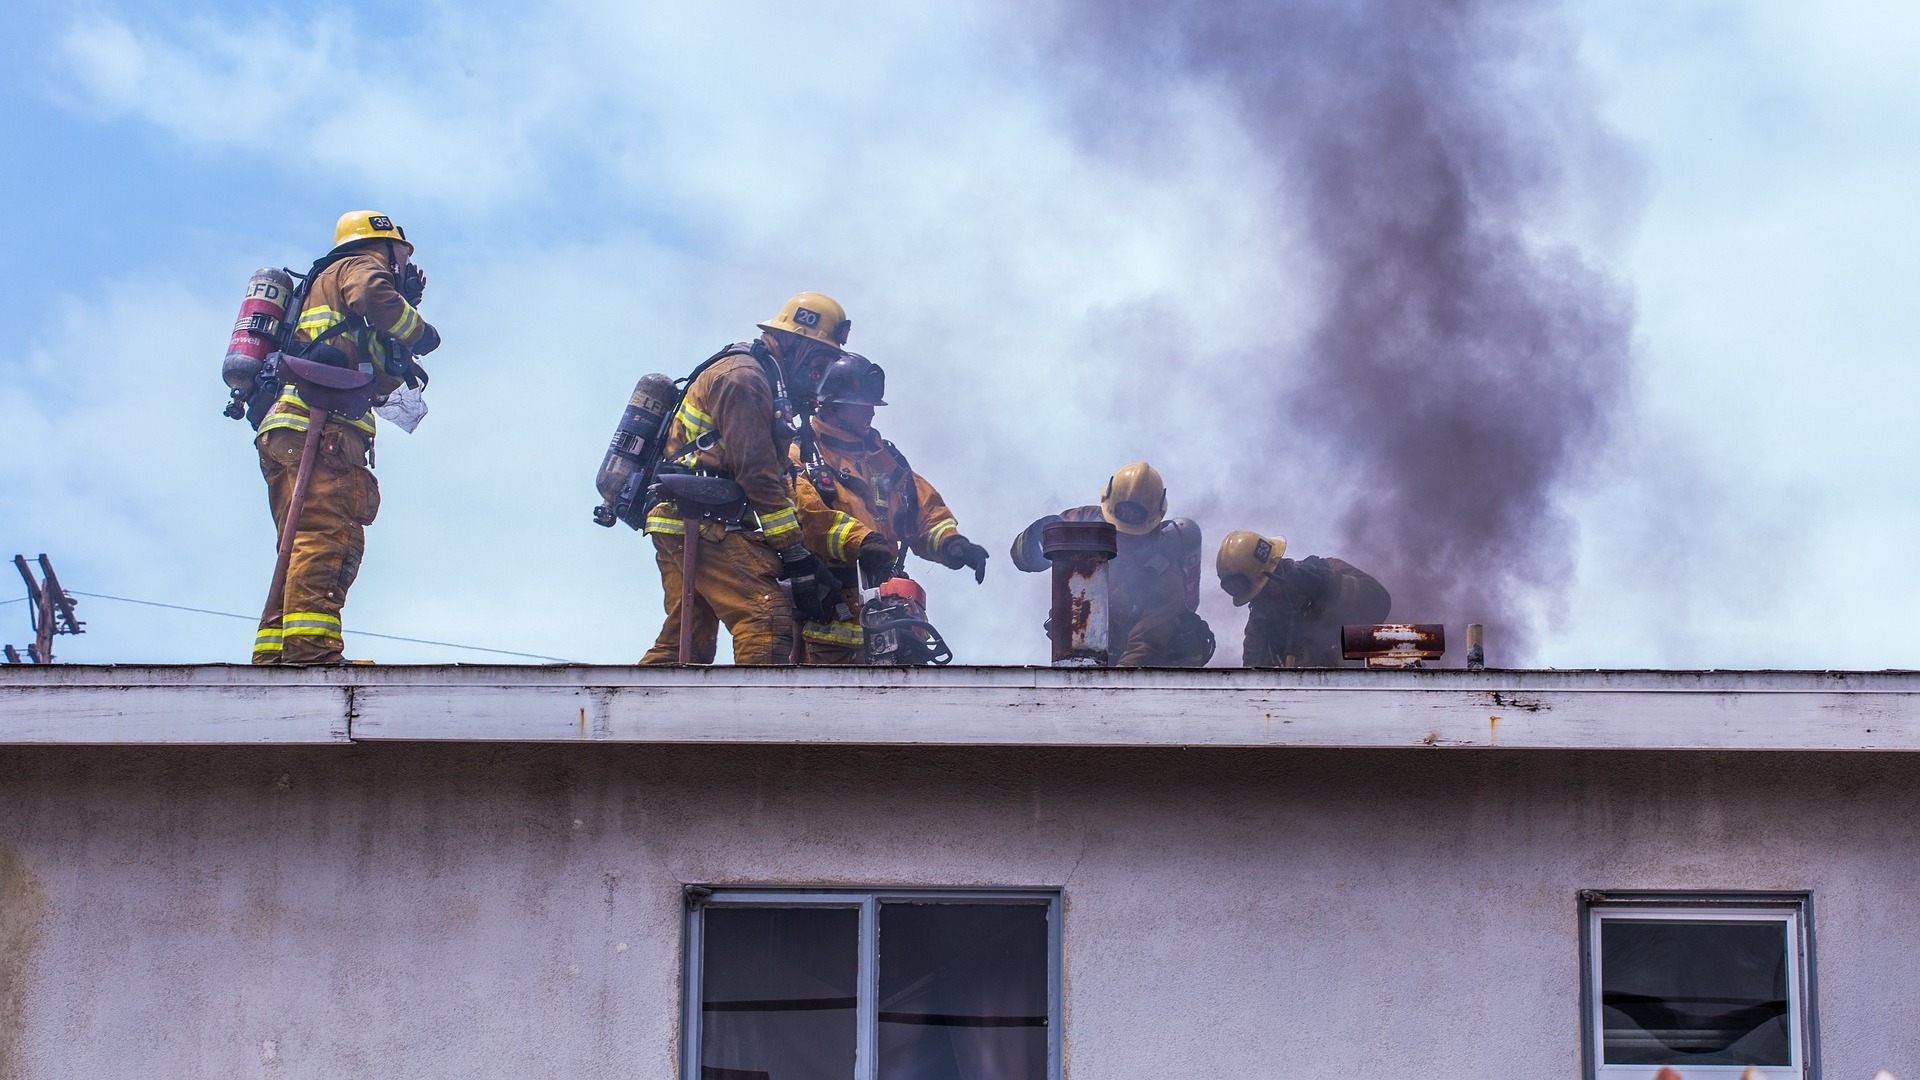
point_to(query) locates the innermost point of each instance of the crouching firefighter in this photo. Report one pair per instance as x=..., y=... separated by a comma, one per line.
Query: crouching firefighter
x=1153, y=583
x=865, y=476
x=1295, y=609
x=758, y=529
x=357, y=331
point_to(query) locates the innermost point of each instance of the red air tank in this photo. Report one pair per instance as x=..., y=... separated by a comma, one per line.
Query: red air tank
x=261, y=313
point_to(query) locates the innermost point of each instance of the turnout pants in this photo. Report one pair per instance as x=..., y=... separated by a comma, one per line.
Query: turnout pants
x=303, y=626
x=738, y=583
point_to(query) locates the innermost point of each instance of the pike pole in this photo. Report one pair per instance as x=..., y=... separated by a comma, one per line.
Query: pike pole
x=309, y=452
x=689, y=566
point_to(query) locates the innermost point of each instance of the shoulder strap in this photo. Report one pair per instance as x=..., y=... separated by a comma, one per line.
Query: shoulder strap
x=738, y=348
x=349, y=322
x=907, y=518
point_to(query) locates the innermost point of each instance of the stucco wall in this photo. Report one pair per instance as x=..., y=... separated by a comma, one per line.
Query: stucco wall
x=473, y=911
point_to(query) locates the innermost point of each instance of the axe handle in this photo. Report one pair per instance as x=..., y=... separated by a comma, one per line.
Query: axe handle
x=689, y=566
x=310, y=452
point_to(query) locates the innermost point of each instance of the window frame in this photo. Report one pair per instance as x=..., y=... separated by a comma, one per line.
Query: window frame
x=1731, y=906
x=867, y=899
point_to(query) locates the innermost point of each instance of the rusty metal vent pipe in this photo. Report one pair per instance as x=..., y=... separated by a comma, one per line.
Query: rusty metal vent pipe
x=1394, y=645
x=1079, y=552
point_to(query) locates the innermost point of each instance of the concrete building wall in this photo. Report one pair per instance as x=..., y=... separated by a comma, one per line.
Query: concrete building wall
x=510, y=911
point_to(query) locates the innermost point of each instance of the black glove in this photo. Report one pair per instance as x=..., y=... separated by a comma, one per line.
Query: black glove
x=1308, y=580
x=960, y=551
x=413, y=283
x=429, y=340
x=876, y=560
x=812, y=584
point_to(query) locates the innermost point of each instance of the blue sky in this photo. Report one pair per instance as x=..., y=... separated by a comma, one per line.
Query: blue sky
x=601, y=190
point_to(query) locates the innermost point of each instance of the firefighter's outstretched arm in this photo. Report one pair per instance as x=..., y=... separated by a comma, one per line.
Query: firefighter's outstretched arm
x=937, y=535
x=1026, y=547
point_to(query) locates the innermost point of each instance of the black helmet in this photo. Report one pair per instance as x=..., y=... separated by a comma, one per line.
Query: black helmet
x=853, y=380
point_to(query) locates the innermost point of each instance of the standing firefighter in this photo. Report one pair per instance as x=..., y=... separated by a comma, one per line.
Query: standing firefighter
x=736, y=422
x=1154, y=581
x=865, y=476
x=1296, y=609
x=359, y=314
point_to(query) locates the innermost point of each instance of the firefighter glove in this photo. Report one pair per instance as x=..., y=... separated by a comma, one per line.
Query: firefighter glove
x=959, y=552
x=429, y=340
x=876, y=560
x=811, y=583
x=413, y=284
x=1308, y=579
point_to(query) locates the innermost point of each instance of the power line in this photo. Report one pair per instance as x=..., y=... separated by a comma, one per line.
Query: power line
x=363, y=633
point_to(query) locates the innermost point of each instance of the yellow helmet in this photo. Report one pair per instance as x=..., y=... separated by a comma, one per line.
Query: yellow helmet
x=813, y=315
x=356, y=226
x=1246, y=563
x=1136, y=499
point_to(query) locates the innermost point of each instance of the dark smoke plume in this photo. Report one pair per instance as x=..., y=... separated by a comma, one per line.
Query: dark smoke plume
x=1461, y=369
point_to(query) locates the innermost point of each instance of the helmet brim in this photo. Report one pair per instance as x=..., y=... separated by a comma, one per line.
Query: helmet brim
x=363, y=241
x=803, y=335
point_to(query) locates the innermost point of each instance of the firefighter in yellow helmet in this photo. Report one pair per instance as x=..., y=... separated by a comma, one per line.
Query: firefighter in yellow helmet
x=866, y=476
x=736, y=421
x=1295, y=609
x=1153, y=583
x=360, y=312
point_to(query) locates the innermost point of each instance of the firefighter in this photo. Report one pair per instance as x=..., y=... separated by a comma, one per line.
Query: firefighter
x=358, y=314
x=1295, y=609
x=864, y=475
x=1153, y=583
x=735, y=422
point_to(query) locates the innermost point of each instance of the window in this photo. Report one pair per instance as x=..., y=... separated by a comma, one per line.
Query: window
x=789, y=984
x=1708, y=984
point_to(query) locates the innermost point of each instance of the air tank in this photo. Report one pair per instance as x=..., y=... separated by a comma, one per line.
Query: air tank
x=261, y=314
x=636, y=447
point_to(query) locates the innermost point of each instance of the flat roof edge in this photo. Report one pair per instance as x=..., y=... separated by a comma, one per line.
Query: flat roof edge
x=1039, y=707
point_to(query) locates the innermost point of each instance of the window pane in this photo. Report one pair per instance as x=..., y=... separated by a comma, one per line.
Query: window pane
x=963, y=992
x=779, y=988
x=1679, y=992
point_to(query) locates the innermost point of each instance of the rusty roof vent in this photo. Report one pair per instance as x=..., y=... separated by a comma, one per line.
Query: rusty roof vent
x=1079, y=625
x=1394, y=645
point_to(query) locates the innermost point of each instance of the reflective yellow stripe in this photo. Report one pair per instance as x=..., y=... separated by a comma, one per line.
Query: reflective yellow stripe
x=694, y=421
x=942, y=529
x=408, y=322
x=834, y=633
x=663, y=524
x=310, y=624
x=779, y=523
x=297, y=421
x=837, y=538
x=318, y=319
